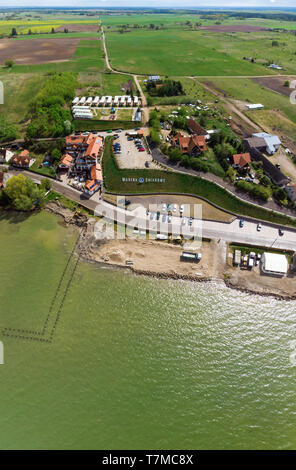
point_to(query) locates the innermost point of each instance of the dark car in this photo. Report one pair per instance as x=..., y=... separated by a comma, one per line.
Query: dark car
x=157, y=215
x=241, y=223
x=281, y=232
x=147, y=164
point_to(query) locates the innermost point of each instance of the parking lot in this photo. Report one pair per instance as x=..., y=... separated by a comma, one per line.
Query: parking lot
x=130, y=157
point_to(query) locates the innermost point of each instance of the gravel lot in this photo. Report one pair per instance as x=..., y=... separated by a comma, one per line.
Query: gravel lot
x=130, y=157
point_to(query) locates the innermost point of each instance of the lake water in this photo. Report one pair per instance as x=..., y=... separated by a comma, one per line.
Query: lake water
x=137, y=362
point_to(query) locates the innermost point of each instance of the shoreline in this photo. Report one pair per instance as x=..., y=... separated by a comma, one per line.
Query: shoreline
x=90, y=250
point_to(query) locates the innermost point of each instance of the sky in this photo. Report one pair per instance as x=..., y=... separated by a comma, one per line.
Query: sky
x=149, y=3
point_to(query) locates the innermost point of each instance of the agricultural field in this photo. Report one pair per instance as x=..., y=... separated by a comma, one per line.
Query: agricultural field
x=171, y=52
x=45, y=26
x=53, y=55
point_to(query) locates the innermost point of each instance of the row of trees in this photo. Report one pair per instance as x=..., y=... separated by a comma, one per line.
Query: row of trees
x=166, y=88
x=7, y=131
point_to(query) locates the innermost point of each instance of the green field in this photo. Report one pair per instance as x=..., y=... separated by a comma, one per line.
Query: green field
x=177, y=21
x=171, y=52
x=183, y=184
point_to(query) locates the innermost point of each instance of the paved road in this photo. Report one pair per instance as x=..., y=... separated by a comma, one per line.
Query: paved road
x=230, y=232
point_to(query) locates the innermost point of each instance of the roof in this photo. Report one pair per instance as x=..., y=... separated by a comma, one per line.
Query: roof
x=195, y=127
x=24, y=153
x=241, y=159
x=269, y=139
x=187, y=143
x=74, y=139
x=21, y=160
x=96, y=172
x=66, y=160
x=275, y=263
x=257, y=142
x=94, y=147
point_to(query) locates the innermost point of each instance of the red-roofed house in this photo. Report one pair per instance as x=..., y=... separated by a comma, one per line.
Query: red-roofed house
x=96, y=180
x=22, y=160
x=192, y=145
x=66, y=161
x=241, y=160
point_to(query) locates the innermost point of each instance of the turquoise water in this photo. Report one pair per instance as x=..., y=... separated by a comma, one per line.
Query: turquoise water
x=137, y=362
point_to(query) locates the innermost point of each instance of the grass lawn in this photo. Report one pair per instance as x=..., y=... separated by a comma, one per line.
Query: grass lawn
x=177, y=52
x=125, y=114
x=181, y=183
x=19, y=90
x=103, y=84
x=92, y=124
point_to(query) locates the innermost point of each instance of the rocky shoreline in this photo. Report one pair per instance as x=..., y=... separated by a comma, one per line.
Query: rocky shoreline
x=86, y=251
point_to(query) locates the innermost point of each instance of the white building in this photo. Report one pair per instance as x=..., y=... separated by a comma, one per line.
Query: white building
x=255, y=106
x=5, y=155
x=272, y=141
x=102, y=101
x=76, y=100
x=96, y=101
x=82, y=100
x=274, y=264
x=89, y=101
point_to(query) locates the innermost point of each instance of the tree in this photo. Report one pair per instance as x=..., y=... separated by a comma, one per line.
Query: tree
x=30, y=32
x=52, y=30
x=56, y=155
x=45, y=184
x=7, y=131
x=9, y=63
x=13, y=32
x=22, y=193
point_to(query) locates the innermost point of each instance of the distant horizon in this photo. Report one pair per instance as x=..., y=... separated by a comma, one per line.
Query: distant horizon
x=270, y=5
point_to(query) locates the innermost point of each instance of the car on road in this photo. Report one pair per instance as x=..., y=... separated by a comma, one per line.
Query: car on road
x=137, y=128
x=241, y=223
x=259, y=226
x=278, y=165
x=109, y=131
x=141, y=149
x=281, y=232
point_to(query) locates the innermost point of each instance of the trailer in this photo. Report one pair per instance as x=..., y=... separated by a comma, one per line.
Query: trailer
x=89, y=101
x=76, y=100
x=190, y=256
x=82, y=100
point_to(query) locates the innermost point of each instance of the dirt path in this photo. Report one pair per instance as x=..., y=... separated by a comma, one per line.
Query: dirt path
x=145, y=115
x=244, y=123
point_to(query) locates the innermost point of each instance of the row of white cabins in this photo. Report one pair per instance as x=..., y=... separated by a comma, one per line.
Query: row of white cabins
x=107, y=101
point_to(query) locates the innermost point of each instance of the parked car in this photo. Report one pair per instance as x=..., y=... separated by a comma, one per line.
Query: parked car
x=184, y=221
x=259, y=226
x=147, y=164
x=182, y=208
x=152, y=215
x=174, y=207
x=157, y=215
x=163, y=207
x=281, y=232
x=164, y=217
x=241, y=223
x=141, y=150
x=190, y=221
x=169, y=219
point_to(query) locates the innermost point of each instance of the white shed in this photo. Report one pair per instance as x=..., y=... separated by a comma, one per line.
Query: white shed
x=274, y=264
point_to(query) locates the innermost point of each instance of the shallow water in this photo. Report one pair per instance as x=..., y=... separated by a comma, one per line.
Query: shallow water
x=137, y=362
